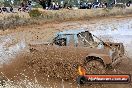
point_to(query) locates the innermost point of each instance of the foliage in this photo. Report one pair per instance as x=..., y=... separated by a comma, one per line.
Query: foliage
x=35, y=13
x=6, y=3
x=120, y=6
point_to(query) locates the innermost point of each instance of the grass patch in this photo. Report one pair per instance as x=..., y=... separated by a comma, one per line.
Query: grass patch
x=35, y=13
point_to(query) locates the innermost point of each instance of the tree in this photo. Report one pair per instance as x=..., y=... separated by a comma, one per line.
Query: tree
x=44, y=2
x=7, y=3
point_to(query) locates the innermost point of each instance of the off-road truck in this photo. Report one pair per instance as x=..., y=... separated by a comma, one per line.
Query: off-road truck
x=95, y=53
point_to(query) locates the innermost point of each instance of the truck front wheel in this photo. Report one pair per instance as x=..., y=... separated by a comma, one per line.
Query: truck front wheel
x=95, y=67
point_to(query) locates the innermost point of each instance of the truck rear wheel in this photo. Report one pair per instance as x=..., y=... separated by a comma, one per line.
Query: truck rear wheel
x=95, y=67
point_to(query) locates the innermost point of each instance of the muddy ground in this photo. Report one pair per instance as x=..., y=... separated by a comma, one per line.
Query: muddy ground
x=17, y=60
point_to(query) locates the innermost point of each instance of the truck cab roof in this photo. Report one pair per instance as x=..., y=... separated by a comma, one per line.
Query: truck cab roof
x=72, y=31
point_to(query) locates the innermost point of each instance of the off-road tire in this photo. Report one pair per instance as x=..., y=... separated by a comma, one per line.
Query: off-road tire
x=95, y=67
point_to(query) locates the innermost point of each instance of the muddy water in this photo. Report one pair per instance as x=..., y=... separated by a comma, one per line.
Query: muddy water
x=115, y=30
x=121, y=33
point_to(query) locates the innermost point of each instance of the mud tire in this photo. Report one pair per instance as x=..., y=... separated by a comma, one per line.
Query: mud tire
x=95, y=67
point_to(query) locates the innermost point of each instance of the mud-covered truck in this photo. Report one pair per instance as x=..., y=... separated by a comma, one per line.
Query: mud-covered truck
x=81, y=45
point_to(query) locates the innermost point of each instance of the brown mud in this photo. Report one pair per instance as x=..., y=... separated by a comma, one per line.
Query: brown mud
x=59, y=72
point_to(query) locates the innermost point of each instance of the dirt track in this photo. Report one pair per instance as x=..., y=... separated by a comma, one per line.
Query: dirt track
x=14, y=43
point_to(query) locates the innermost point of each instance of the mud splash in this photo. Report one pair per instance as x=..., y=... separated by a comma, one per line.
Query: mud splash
x=9, y=48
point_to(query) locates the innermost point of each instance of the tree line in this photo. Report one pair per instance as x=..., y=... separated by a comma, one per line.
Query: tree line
x=42, y=2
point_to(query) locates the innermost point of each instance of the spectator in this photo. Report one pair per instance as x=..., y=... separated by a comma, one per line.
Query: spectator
x=69, y=7
x=0, y=10
x=47, y=6
x=53, y=5
x=57, y=6
x=106, y=5
x=22, y=6
x=65, y=5
x=43, y=4
x=49, y=3
x=128, y=3
x=29, y=5
x=11, y=9
x=4, y=9
x=19, y=9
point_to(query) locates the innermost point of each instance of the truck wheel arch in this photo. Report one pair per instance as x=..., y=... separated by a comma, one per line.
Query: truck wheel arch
x=95, y=65
x=90, y=58
x=104, y=59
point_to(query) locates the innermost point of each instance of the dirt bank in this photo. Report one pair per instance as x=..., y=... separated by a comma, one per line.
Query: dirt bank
x=15, y=20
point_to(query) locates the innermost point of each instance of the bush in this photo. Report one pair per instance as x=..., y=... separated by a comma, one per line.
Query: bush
x=12, y=22
x=37, y=6
x=120, y=5
x=106, y=9
x=34, y=13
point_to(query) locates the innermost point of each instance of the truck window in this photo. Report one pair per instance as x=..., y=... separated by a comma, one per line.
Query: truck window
x=85, y=39
x=59, y=40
